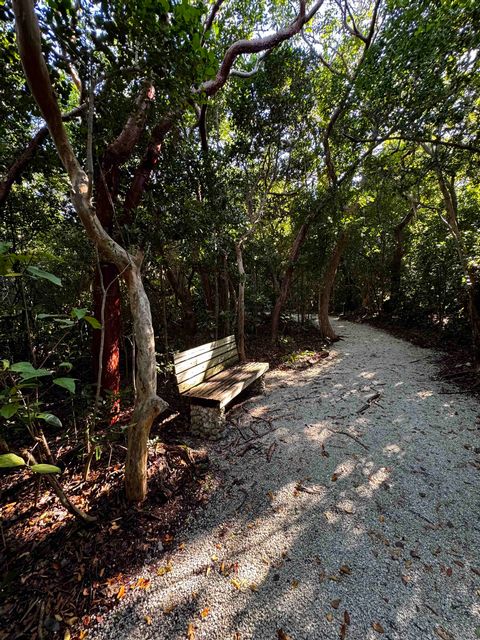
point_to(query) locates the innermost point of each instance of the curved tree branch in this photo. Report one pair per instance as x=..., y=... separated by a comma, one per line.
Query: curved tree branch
x=256, y=45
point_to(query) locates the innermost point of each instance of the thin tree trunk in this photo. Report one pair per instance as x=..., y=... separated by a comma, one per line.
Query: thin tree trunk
x=397, y=258
x=226, y=291
x=241, y=302
x=326, y=287
x=287, y=277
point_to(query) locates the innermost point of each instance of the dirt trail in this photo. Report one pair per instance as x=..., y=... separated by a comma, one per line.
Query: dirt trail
x=347, y=506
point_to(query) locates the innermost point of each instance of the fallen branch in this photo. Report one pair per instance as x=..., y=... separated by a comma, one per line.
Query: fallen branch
x=349, y=435
x=271, y=450
x=369, y=402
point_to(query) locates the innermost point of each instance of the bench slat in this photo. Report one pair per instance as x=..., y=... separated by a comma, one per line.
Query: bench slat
x=182, y=356
x=204, y=367
x=206, y=357
x=226, y=385
x=204, y=375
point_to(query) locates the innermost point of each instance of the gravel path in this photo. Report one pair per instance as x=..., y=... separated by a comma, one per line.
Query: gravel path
x=356, y=516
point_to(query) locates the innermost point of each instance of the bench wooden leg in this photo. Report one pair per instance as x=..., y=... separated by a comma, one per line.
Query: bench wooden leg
x=207, y=422
x=259, y=386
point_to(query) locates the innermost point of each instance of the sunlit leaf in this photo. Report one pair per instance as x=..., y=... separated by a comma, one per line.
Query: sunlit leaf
x=10, y=461
x=93, y=322
x=45, y=468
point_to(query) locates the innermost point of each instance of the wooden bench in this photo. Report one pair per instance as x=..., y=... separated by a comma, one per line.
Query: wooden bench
x=210, y=377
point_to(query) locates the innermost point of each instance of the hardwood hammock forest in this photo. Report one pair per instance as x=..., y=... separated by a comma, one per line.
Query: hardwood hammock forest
x=240, y=319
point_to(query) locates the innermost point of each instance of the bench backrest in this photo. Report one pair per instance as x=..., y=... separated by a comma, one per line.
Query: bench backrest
x=196, y=365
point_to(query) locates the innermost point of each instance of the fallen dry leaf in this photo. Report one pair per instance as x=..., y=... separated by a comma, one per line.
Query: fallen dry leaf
x=142, y=583
x=204, y=612
x=191, y=631
x=343, y=631
x=376, y=626
x=295, y=584
x=235, y=582
x=346, y=618
x=67, y=635
x=329, y=616
x=121, y=592
x=335, y=603
x=345, y=569
x=281, y=635
x=335, y=477
x=161, y=571
x=148, y=619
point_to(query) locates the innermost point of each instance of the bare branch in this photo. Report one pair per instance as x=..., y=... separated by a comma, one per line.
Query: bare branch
x=256, y=45
x=18, y=165
x=211, y=17
x=121, y=148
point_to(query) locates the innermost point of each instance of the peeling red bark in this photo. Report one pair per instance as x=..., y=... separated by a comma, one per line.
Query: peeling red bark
x=110, y=380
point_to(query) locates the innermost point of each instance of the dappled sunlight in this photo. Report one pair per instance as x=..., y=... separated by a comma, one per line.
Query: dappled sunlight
x=392, y=449
x=427, y=393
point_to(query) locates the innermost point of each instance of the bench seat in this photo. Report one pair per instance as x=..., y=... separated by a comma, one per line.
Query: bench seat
x=226, y=385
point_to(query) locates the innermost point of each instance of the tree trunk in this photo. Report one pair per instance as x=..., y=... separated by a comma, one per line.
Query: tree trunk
x=224, y=294
x=287, y=277
x=147, y=404
x=326, y=329
x=241, y=303
x=207, y=288
x=397, y=258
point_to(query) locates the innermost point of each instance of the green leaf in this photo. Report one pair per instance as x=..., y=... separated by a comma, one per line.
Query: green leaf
x=10, y=460
x=65, y=322
x=4, y=247
x=93, y=322
x=79, y=313
x=9, y=410
x=46, y=275
x=66, y=365
x=49, y=418
x=66, y=383
x=45, y=468
x=27, y=370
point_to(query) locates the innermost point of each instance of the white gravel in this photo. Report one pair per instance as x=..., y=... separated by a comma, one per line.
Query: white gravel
x=401, y=518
